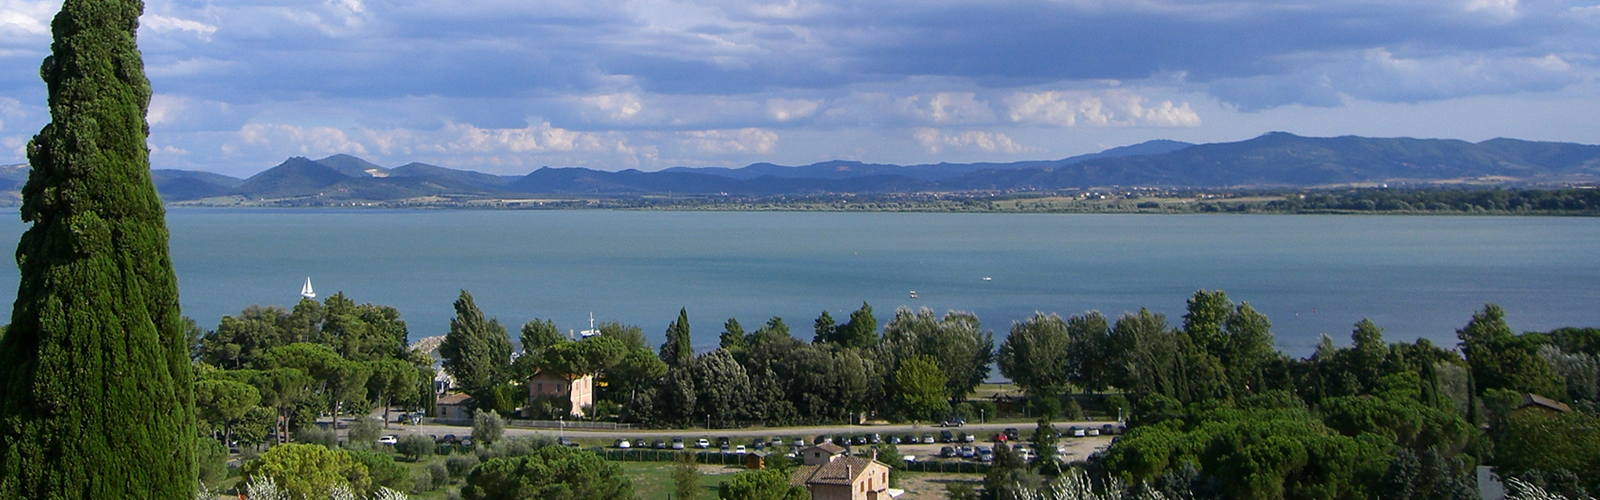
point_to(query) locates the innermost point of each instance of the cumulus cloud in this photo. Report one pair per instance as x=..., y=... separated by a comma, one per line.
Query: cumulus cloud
x=301, y=140
x=27, y=19
x=618, y=106
x=164, y=24
x=791, y=109
x=1097, y=109
x=948, y=107
x=936, y=141
x=723, y=142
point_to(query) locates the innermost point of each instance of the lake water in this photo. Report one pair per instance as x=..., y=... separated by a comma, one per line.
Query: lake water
x=1414, y=276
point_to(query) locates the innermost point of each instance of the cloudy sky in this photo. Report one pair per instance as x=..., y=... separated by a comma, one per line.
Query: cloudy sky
x=507, y=86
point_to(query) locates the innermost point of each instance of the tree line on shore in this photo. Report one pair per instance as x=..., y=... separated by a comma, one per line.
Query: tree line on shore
x=1214, y=408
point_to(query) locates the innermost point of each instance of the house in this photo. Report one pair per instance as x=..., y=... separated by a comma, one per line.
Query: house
x=1535, y=402
x=821, y=454
x=845, y=478
x=453, y=407
x=578, y=392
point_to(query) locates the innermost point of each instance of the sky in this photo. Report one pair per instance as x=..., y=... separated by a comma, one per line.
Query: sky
x=508, y=86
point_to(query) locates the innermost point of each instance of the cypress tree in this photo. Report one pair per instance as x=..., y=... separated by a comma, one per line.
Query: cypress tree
x=677, y=351
x=96, y=393
x=477, y=351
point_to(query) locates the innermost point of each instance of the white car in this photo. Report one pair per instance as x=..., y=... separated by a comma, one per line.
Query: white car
x=740, y=450
x=624, y=444
x=389, y=440
x=702, y=444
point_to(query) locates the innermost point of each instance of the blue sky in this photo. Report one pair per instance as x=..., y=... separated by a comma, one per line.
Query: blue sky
x=507, y=86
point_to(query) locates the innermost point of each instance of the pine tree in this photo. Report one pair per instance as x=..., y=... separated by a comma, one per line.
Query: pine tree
x=677, y=351
x=477, y=351
x=97, y=398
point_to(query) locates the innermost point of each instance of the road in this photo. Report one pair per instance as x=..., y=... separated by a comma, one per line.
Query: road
x=983, y=431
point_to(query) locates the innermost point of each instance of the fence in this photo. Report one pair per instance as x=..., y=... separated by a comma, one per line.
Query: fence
x=962, y=467
x=704, y=457
x=543, y=424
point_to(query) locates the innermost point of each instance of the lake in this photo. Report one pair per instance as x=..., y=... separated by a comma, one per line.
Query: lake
x=1414, y=276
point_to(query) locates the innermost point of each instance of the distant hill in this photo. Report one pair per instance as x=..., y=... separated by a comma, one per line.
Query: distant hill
x=1287, y=160
x=841, y=169
x=1272, y=160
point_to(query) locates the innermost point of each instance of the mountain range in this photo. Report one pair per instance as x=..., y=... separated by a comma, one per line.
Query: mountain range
x=1276, y=159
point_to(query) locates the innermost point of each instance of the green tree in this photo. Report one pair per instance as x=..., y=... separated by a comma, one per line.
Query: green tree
x=825, y=329
x=677, y=351
x=238, y=340
x=920, y=387
x=222, y=403
x=1248, y=347
x=551, y=472
x=538, y=335
x=860, y=331
x=477, y=351
x=957, y=342
x=685, y=477
x=97, y=399
x=638, y=373
x=309, y=471
x=415, y=446
x=1208, y=311
x=1037, y=355
x=732, y=337
x=721, y=388
x=487, y=427
x=382, y=470
x=391, y=380
x=1501, y=360
x=766, y=484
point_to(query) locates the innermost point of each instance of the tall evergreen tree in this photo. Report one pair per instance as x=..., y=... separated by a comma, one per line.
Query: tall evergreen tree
x=477, y=351
x=96, y=392
x=677, y=351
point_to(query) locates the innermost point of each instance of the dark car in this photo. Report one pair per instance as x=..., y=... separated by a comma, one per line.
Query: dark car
x=953, y=422
x=659, y=444
x=1011, y=434
x=640, y=443
x=875, y=439
x=566, y=441
x=946, y=436
x=821, y=439
x=723, y=442
x=947, y=452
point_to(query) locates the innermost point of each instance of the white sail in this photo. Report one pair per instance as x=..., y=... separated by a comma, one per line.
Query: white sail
x=306, y=291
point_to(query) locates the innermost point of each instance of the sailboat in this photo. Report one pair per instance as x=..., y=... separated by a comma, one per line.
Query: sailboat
x=306, y=291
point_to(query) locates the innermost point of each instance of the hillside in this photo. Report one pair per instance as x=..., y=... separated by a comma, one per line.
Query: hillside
x=1275, y=160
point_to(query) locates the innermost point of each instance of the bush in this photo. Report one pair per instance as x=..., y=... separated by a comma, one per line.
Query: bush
x=459, y=465
x=440, y=475
x=1072, y=411
x=487, y=427
x=422, y=482
x=382, y=469
x=550, y=472
x=365, y=431
x=312, y=434
x=415, y=446
x=308, y=471
x=211, y=458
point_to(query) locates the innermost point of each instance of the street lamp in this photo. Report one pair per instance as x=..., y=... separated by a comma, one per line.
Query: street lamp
x=981, y=419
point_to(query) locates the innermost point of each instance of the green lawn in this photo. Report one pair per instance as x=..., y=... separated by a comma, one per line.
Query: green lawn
x=653, y=480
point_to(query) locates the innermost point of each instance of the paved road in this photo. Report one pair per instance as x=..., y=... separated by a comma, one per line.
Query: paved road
x=983, y=431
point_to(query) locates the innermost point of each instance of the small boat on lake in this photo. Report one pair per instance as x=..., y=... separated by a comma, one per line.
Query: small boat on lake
x=913, y=294
x=306, y=291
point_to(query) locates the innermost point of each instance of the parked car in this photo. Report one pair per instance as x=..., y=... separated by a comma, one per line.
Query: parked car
x=624, y=444
x=821, y=439
x=702, y=444
x=640, y=443
x=928, y=439
x=466, y=441
x=894, y=439
x=999, y=438
x=985, y=454
x=450, y=439
x=1077, y=432
x=677, y=443
x=966, y=438
x=1012, y=434
x=723, y=442
x=660, y=444
x=566, y=441
x=740, y=450
x=1108, y=430
x=875, y=438
x=799, y=442
x=947, y=452
x=965, y=452
x=1092, y=431
x=389, y=440
x=858, y=440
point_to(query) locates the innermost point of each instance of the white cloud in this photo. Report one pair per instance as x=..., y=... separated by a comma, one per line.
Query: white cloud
x=164, y=24
x=1504, y=9
x=540, y=137
x=18, y=17
x=948, y=107
x=618, y=106
x=1382, y=75
x=740, y=141
x=300, y=140
x=791, y=109
x=936, y=141
x=1114, y=108
x=165, y=108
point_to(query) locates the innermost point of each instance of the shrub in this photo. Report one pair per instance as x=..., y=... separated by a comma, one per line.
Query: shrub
x=382, y=469
x=365, y=431
x=211, y=458
x=487, y=427
x=415, y=446
x=440, y=475
x=459, y=465
x=312, y=434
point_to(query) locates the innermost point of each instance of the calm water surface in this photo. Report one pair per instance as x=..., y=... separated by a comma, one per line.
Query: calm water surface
x=1415, y=276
